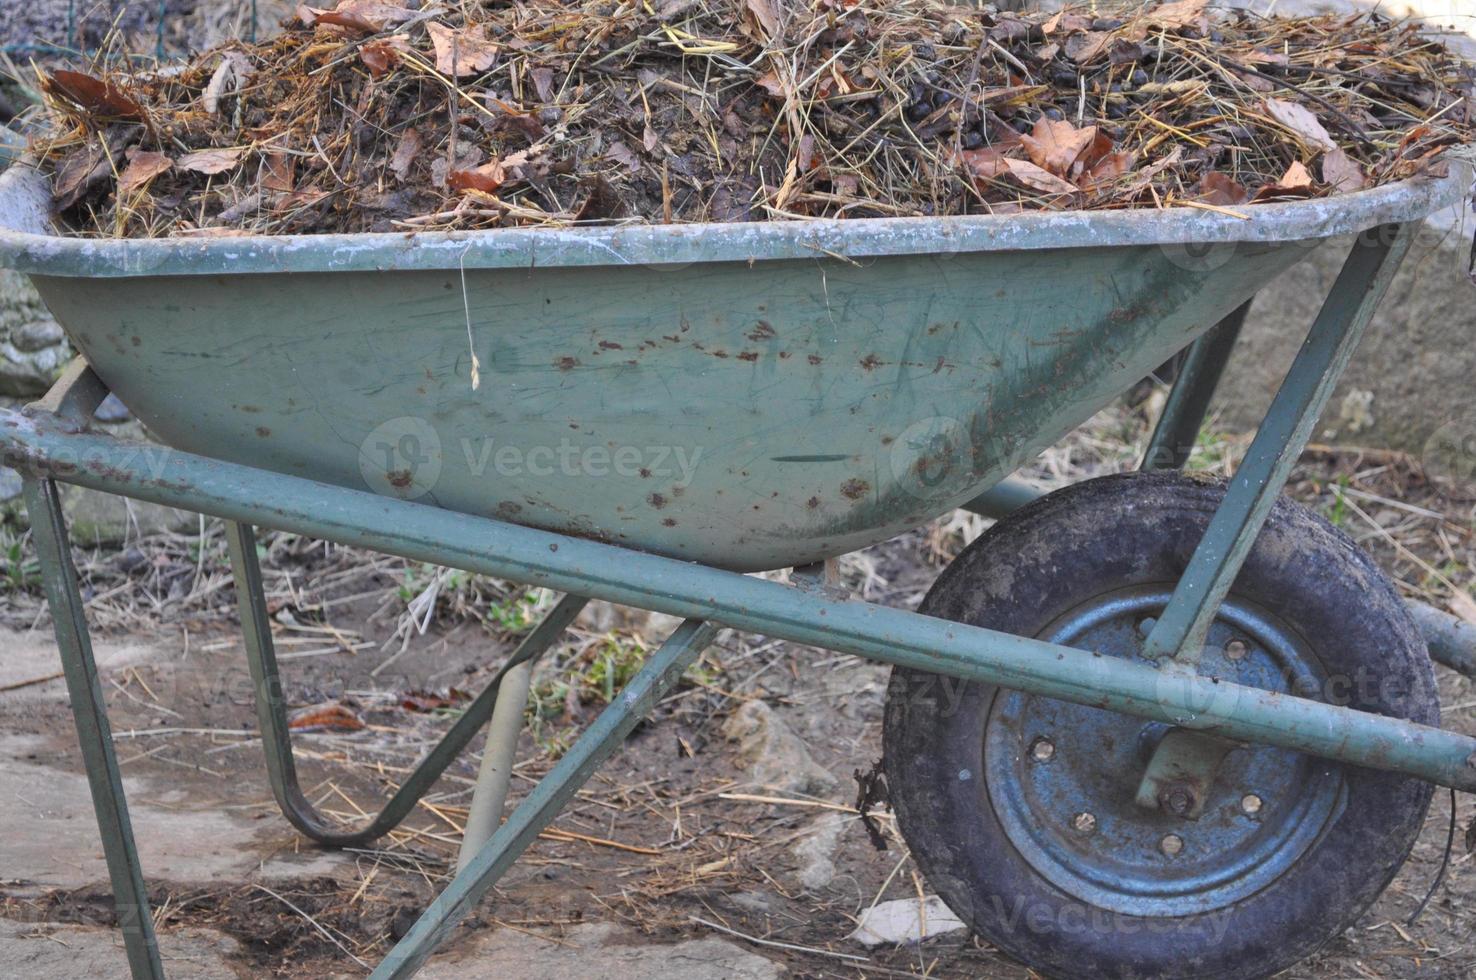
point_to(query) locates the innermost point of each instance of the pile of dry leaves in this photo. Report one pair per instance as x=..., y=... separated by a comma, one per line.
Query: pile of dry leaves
x=380, y=116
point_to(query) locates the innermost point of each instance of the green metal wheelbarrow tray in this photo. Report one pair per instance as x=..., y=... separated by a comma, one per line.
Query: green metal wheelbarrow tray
x=642, y=414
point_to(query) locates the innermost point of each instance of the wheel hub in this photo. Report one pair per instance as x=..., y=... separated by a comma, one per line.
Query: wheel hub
x=1064, y=778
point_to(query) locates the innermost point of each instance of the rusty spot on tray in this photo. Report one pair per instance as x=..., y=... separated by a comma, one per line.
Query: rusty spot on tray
x=813, y=502
x=871, y=361
x=668, y=522
x=645, y=473
x=137, y=342
x=719, y=353
x=748, y=355
x=656, y=500
x=251, y=409
x=263, y=431
x=509, y=507
x=566, y=363
x=762, y=331
x=855, y=489
x=814, y=358
x=610, y=345
x=400, y=479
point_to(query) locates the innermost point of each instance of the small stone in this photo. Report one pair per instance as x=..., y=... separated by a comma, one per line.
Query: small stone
x=37, y=335
x=816, y=851
x=778, y=759
x=112, y=410
x=905, y=920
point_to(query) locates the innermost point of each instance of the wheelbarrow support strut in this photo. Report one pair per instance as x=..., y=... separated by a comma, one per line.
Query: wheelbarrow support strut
x=50, y=442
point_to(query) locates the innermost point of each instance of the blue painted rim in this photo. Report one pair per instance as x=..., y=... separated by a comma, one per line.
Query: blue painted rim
x=1100, y=756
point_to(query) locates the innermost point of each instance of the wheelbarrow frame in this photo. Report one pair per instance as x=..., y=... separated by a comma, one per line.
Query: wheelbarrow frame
x=49, y=442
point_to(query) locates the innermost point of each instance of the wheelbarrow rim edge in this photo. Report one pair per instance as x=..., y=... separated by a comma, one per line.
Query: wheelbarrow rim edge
x=30, y=245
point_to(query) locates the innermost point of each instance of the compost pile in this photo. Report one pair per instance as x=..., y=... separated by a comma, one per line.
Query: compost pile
x=377, y=116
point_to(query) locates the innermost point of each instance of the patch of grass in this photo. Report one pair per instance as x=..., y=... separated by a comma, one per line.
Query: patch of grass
x=22, y=571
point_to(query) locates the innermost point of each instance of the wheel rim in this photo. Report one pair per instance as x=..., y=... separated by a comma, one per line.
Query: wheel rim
x=1062, y=778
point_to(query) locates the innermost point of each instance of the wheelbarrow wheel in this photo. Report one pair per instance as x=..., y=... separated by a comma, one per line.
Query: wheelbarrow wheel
x=1024, y=812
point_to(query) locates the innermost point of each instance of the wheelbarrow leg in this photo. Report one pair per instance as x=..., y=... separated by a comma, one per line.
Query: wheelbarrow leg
x=271, y=707
x=1279, y=442
x=94, y=735
x=1183, y=413
x=658, y=675
x=498, y=756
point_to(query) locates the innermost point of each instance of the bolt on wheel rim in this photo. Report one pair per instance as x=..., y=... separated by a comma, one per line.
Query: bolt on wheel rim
x=1266, y=808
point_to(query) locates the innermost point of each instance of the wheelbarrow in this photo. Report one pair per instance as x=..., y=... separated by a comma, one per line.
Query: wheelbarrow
x=1152, y=722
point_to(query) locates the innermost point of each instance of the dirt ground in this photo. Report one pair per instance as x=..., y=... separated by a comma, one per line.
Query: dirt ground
x=683, y=856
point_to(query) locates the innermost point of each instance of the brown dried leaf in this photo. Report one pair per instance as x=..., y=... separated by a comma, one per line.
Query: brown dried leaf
x=93, y=95
x=362, y=16
x=215, y=161
x=1055, y=144
x=1342, y=172
x=767, y=17
x=1184, y=13
x=1301, y=122
x=1035, y=177
x=1105, y=171
x=621, y=153
x=1220, y=190
x=1085, y=48
x=462, y=53
x=543, y=80
x=405, y=152
x=1296, y=182
x=769, y=82
x=331, y=717
x=279, y=173
x=79, y=173
x=486, y=178
x=985, y=163
x=379, y=57
x=143, y=166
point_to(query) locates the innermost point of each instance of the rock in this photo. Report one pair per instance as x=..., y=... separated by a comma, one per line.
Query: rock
x=597, y=950
x=112, y=410
x=30, y=373
x=37, y=335
x=778, y=760
x=1411, y=373
x=905, y=920
x=815, y=851
x=28, y=363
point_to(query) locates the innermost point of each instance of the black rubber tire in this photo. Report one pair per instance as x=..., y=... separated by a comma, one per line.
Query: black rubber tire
x=1125, y=531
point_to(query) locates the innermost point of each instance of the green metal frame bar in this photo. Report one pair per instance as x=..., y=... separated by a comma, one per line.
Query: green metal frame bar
x=271, y=707
x=657, y=676
x=619, y=575
x=1258, y=481
x=94, y=735
x=1188, y=402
